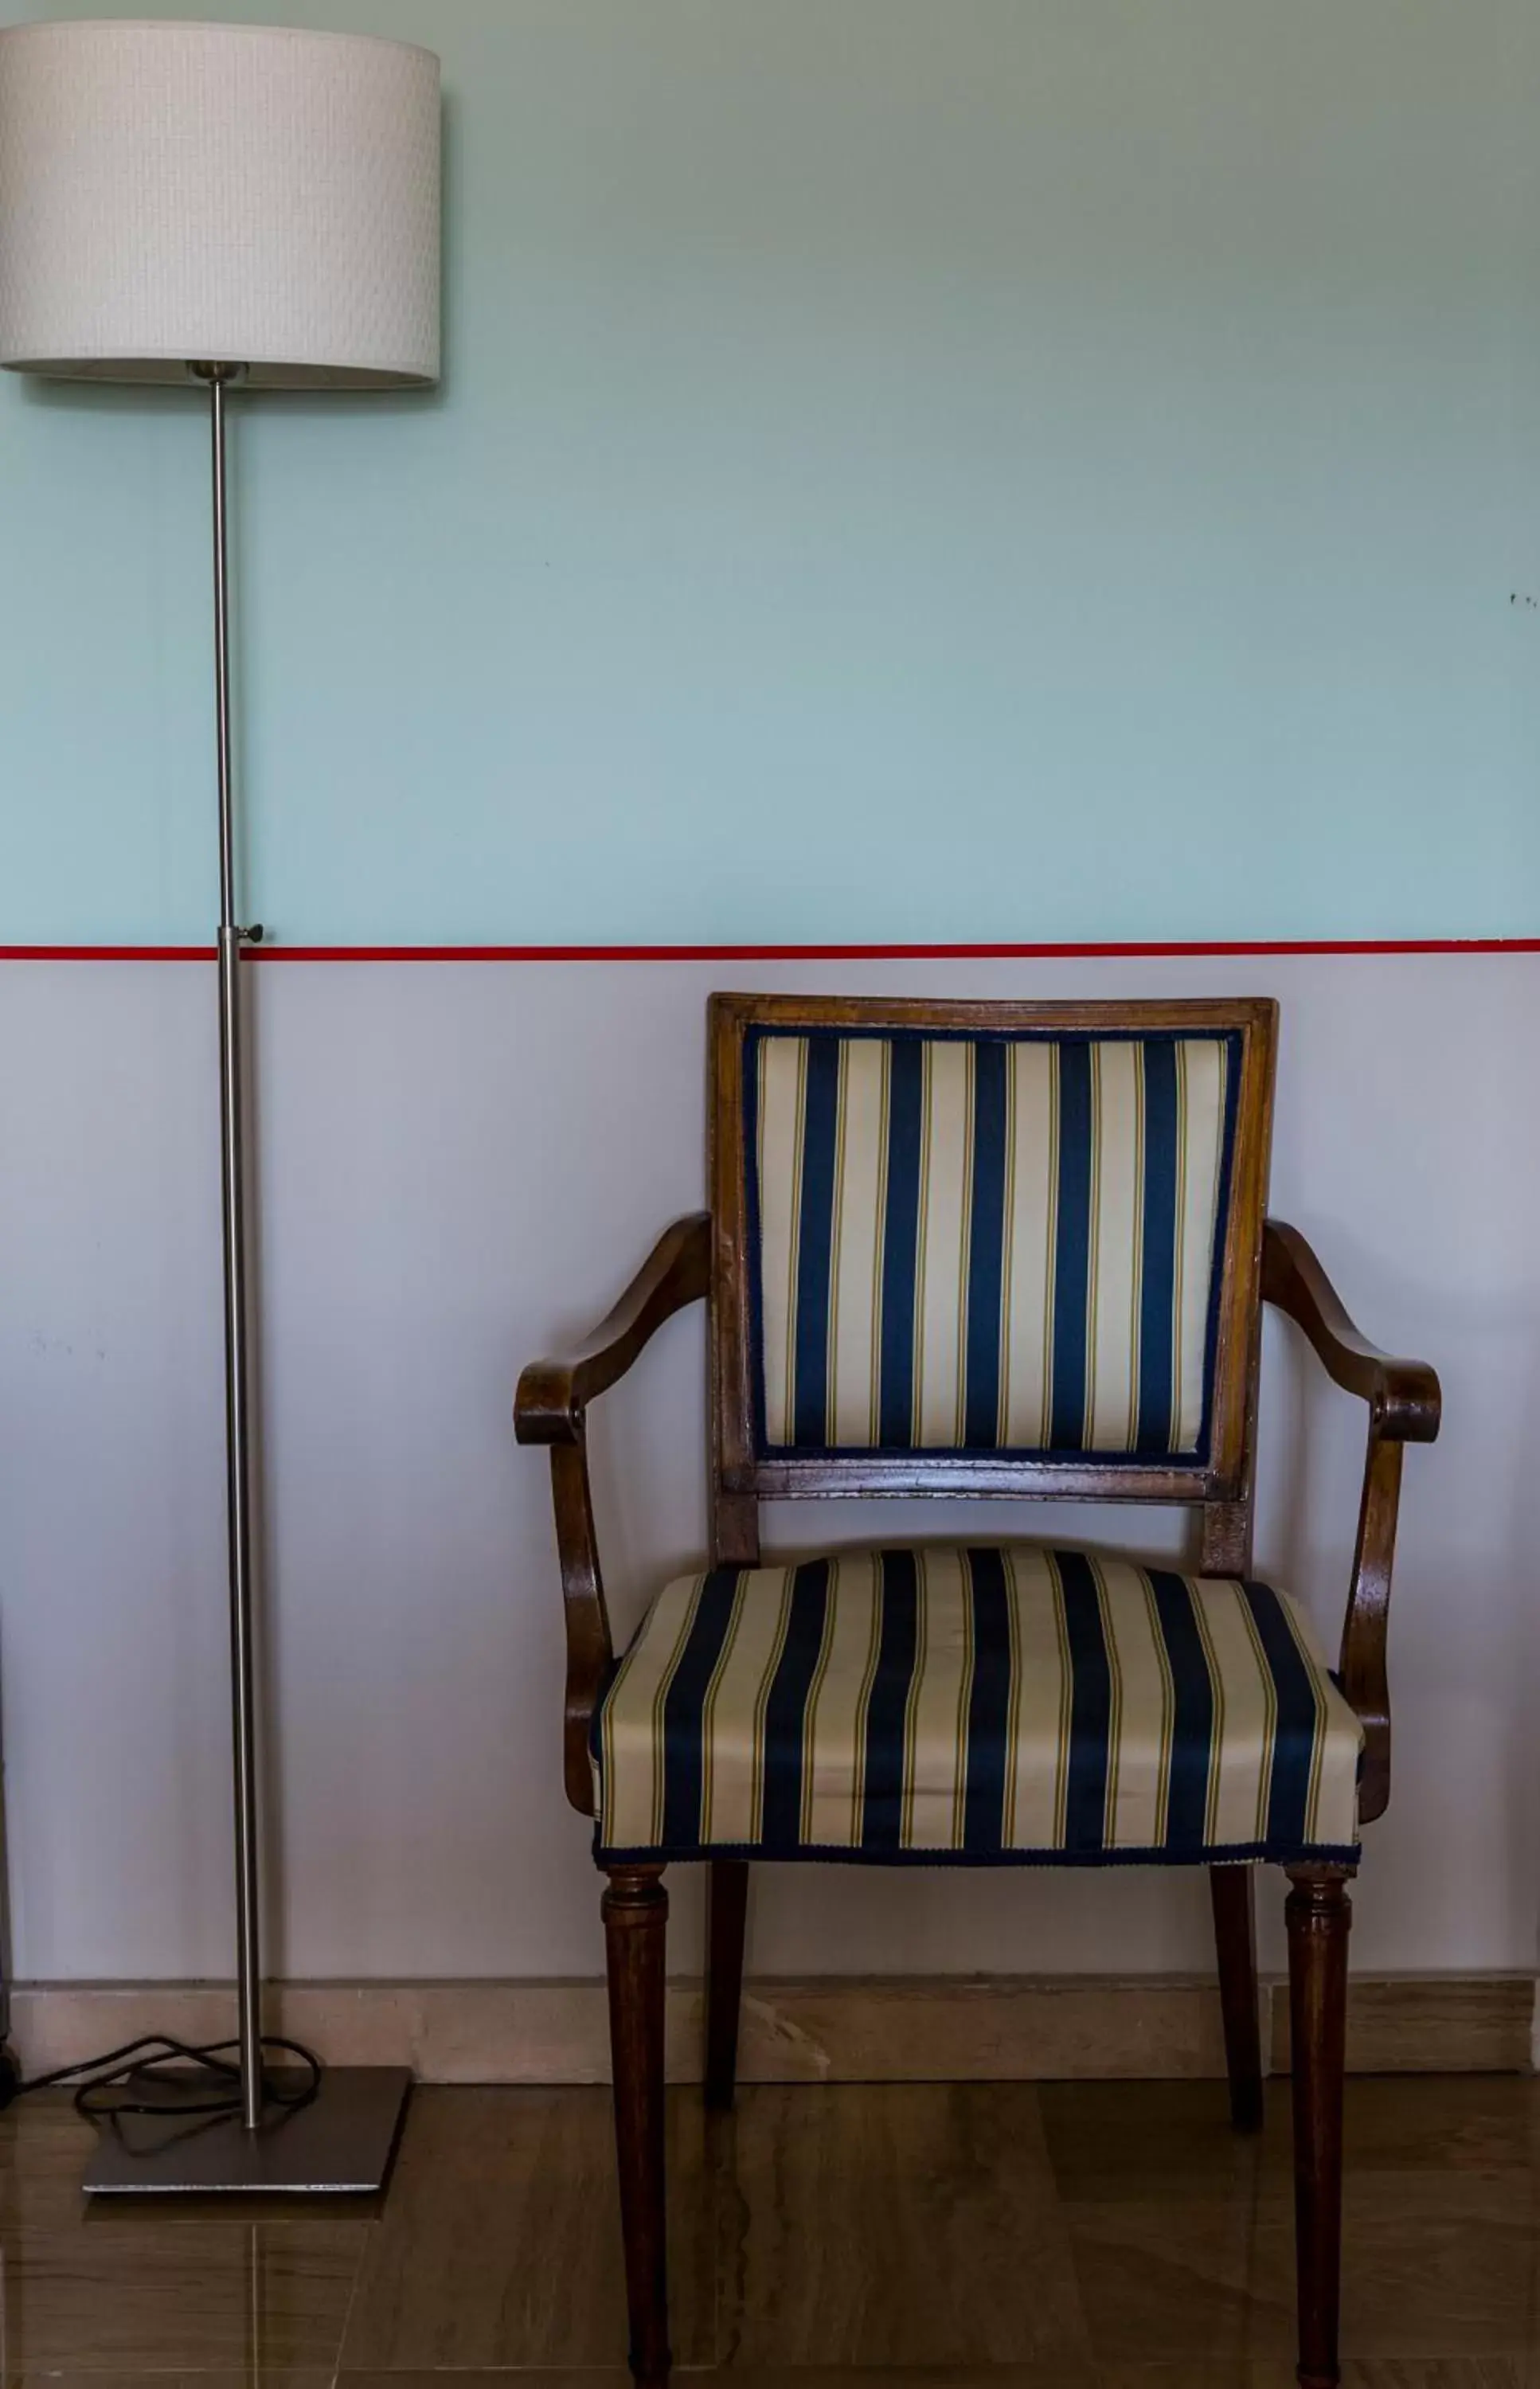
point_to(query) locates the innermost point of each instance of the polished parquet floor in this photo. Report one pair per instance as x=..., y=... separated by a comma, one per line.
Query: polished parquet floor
x=1088, y=2235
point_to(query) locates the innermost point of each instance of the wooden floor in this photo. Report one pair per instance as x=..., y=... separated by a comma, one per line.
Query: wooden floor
x=1091, y=2236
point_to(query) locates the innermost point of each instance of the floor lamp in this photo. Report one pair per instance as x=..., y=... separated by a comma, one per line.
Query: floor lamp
x=246, y=206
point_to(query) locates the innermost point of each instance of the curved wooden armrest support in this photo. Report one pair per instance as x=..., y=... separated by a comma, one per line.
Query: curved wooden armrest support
x=552, y=1395
x=549, y=1409
x=1403, y=1394
x=1404, y=1406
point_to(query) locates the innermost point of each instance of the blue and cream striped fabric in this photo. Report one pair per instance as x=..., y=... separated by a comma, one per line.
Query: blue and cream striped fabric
x=1009, y=1704
x=992, y=1244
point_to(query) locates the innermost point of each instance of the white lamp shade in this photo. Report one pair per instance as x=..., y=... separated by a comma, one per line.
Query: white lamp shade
x=235, y=194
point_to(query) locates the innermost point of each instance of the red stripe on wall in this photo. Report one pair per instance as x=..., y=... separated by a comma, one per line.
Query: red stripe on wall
x=1109, y=950
x=107, y=953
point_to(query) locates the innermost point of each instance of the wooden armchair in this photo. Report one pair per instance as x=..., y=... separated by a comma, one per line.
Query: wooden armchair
x=992, y=1249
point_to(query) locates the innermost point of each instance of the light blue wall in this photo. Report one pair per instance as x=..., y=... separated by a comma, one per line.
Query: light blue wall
x=907, y=468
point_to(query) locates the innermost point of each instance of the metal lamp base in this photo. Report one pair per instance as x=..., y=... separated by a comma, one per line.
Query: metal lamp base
x=342, y=2142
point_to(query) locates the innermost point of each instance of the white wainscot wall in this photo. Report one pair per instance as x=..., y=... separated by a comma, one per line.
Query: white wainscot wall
x=460, y=1166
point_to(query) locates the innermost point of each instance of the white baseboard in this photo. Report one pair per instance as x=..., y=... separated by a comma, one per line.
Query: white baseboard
x=835, y=2029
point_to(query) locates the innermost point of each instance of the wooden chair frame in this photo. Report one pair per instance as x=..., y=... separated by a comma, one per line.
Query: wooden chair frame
x=704, y=1258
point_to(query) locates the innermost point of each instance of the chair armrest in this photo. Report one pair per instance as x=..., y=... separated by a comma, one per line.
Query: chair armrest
x=552, y=1395
x=1404, y=1406
x=548, y=1407
x=1403, y=1394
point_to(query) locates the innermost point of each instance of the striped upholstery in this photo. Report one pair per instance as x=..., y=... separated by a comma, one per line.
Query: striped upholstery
x=1012, y=1704
x=1001, y=1243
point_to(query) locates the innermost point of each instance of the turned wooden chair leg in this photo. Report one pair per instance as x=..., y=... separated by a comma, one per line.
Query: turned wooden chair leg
x=1320, y=1915
x=1235, y=1937
x=724, y=1981
x=635, y=1909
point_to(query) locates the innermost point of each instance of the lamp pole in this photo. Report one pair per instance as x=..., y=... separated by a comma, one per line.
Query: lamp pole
x=336, y=2132
x=238, y=1469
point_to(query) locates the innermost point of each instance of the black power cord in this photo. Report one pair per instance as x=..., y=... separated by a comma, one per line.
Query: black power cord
x=123, y=2081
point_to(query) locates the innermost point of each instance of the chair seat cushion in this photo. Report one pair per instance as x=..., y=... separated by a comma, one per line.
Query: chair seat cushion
x=1007, y=1705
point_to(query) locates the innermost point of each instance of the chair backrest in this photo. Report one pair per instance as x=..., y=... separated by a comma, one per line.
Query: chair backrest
x=987, y=1247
